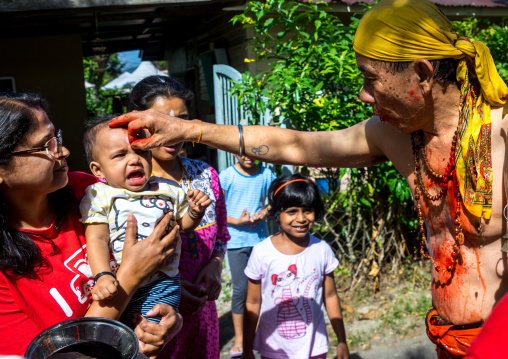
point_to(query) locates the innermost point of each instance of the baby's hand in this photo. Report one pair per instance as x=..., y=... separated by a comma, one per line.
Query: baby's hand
x=198, y=201
x=105, y=288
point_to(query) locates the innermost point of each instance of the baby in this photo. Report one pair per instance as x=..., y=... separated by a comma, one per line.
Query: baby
x=130, y=188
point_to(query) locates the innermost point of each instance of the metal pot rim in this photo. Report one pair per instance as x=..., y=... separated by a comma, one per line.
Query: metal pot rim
x=74, y=322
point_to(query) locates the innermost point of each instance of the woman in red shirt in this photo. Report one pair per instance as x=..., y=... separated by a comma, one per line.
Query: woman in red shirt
x=44, y=272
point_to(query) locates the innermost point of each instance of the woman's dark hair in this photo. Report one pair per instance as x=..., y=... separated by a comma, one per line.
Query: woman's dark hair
x=19, y=254
x=150, y=88
x=295, y=194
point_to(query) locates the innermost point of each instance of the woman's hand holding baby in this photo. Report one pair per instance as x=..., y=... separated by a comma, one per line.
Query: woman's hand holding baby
x=149, y=255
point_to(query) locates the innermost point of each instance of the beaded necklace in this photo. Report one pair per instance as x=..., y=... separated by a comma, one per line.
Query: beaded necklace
x=442, y=181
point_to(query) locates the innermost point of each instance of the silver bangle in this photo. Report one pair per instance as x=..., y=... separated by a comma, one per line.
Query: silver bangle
x=241, y=151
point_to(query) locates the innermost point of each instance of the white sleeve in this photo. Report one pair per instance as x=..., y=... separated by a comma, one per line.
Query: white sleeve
x=254, y=269
x=94, y=207
x=331, y=262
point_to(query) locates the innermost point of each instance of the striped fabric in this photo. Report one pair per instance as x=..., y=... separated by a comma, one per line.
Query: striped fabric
x=164, y=290
x=248, y=192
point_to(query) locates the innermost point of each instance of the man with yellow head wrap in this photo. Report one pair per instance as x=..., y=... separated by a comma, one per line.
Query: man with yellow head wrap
x=437, y=100
x=397, y=31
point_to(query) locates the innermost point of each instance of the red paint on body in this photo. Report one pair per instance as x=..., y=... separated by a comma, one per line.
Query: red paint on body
x=480, y=276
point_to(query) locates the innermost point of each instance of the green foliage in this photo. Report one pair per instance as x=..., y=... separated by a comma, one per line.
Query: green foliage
x=313, y=81
x=494, y=35
x=99, y=70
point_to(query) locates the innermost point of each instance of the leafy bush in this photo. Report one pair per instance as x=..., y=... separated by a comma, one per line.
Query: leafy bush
x=494, y=35
x=99, y=70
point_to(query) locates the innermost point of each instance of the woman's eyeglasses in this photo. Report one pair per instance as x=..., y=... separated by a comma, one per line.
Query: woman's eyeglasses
x=53, y=147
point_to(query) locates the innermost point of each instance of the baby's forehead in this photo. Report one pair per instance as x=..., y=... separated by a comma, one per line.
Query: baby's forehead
x=104, y=135
x=103, y=131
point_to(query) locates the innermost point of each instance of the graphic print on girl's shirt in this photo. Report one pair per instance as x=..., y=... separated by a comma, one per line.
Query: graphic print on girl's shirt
x=148, y=209
x=291, y=296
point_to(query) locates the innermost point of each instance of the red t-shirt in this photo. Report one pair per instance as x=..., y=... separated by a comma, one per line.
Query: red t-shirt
x=61, y=292
x=490, y=343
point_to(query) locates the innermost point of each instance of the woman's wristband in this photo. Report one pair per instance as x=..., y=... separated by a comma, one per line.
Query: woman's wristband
x=102, y=274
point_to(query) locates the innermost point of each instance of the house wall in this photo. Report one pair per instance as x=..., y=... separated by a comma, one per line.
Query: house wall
x=53, y=67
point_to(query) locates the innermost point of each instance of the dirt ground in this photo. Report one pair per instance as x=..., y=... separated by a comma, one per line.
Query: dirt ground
x=382, y=324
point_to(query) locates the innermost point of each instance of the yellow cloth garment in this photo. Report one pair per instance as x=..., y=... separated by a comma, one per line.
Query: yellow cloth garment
x=407, y=30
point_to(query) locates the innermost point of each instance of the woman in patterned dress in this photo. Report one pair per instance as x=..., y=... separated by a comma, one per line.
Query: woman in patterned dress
x=203, y=249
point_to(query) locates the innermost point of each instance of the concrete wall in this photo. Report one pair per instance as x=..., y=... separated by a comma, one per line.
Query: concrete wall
x=53, y=67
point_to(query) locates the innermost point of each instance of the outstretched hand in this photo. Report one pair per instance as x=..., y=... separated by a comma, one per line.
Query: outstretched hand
x=165, y=130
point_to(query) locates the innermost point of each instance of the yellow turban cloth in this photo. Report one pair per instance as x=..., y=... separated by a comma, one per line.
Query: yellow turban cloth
x=407, y=30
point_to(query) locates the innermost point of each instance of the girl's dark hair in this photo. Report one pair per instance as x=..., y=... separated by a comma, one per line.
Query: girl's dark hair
x=19, y=254
x=150, y=88
x=295, y=194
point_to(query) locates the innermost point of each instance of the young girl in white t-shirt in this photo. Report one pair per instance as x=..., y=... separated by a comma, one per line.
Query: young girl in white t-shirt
x=290, y=278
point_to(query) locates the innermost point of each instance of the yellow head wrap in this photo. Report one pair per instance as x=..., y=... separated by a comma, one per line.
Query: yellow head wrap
x=407, y=30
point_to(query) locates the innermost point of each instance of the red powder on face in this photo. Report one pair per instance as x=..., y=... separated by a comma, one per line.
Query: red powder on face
x=412, y=92
x=418, y=98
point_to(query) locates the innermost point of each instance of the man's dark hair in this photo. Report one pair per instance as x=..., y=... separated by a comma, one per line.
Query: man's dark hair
x=444, y=69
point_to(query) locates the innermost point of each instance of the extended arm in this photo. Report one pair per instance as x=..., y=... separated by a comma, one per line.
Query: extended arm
x=356, y=146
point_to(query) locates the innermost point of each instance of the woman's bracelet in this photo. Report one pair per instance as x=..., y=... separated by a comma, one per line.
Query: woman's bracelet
x=101, y=274
x=241, y=143
x=194, y=215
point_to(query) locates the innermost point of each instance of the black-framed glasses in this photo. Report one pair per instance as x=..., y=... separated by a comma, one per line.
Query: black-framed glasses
x=53, y=147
